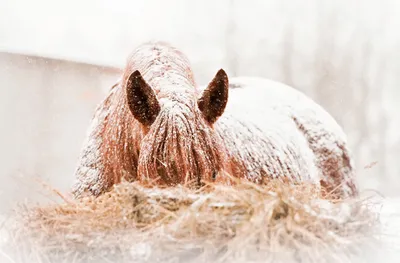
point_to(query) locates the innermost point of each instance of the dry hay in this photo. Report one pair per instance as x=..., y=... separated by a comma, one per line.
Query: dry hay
x=245, y=222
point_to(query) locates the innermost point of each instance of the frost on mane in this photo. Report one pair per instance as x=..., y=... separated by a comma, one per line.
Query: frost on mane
x=157, y=125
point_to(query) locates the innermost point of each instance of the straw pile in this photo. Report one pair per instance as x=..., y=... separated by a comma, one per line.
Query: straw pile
x=241, y=223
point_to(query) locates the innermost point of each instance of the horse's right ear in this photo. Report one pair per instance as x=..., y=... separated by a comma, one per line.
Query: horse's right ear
x=215, y=97
x=141, y=99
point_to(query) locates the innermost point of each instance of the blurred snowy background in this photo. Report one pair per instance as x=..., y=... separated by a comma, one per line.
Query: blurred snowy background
x=57, y=59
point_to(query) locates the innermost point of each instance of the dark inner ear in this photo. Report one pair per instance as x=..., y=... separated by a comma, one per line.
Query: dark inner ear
x=215, y=97
x=141, y=99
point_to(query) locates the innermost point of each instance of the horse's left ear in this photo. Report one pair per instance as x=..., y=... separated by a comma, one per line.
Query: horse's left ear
x=141, y=99
x=215, y=97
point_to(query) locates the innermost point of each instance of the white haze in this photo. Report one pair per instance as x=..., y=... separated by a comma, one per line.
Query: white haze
x=343, y=54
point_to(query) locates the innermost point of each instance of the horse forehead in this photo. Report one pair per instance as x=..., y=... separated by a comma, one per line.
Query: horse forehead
x=168, y=103
x=176, y=105
x=175, y=93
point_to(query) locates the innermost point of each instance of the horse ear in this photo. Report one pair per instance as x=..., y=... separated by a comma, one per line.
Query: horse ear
x=142, y=100
x=213, y=101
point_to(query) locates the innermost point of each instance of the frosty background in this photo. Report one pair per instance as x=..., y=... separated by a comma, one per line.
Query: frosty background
x=57, y=59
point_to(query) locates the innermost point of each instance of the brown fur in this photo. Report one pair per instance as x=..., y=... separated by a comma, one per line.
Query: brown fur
x=156, y=125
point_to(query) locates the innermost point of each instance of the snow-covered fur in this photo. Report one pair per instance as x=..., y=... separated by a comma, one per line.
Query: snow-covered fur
x=157, y=125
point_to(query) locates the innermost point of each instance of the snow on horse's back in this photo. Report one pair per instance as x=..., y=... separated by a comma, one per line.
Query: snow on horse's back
x=157, y=125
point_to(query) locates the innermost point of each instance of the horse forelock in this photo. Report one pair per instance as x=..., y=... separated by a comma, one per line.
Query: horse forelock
x=180, y=147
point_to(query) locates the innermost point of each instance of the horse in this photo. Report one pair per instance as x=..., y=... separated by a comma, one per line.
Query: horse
x=157, y=125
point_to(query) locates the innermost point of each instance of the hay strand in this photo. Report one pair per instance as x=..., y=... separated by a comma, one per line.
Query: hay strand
x=218, y=223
